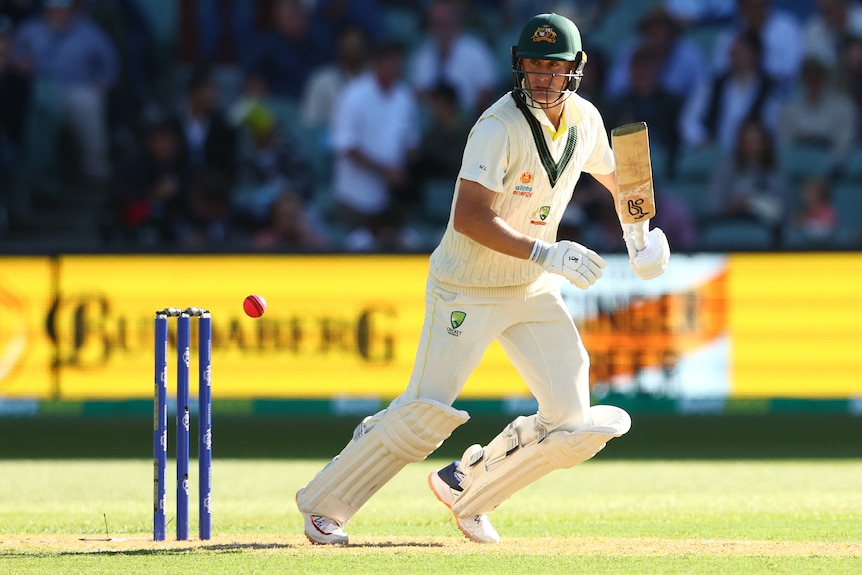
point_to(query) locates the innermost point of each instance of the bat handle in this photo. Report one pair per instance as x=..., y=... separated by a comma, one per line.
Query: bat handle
x=638, y=234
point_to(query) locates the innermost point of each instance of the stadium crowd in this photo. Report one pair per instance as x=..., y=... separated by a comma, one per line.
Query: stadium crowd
x=337, y=125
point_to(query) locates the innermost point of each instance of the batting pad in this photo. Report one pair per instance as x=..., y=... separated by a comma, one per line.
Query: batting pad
x=518, y=457
x=381, y=446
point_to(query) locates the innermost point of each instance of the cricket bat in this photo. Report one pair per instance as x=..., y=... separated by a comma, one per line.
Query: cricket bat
x=635, y=192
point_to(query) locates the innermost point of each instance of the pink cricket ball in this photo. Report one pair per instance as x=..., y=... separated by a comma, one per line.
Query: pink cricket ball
x=254, y=305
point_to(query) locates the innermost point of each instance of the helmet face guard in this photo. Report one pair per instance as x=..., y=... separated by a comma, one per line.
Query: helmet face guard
x=548, y=37
x=522, y=85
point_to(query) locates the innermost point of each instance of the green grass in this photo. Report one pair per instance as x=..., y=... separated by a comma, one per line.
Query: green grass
x=604, y=517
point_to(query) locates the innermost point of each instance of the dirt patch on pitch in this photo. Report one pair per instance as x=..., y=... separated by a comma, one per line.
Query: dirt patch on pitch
x=50, y=545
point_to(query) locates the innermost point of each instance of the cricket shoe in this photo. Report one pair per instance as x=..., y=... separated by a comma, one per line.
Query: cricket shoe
x=445, y=483
x=322, y=530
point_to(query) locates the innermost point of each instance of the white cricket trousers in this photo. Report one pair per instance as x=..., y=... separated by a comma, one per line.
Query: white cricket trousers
x=534, y=329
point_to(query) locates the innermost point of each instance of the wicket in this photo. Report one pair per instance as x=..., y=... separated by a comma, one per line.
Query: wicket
x=160, y=424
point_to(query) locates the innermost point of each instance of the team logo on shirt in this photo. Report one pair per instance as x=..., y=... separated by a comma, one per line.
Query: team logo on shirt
x=524, y=188
x=539, y=216
x=456, y=318
x=545, y=33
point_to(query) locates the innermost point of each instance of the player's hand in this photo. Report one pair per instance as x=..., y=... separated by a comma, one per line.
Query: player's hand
x=652, y=260
x=581, y=266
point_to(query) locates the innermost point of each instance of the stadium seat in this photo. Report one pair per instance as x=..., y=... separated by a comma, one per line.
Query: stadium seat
x=693, y=192
x=735, y=236
x=801, y=162
x=847, y=198
x=854, y=165
x=698, y=164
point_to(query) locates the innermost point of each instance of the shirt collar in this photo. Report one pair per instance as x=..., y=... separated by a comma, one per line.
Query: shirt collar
x=571, y=116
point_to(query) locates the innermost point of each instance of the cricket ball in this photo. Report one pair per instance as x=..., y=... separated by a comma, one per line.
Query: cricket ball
x=254, y=305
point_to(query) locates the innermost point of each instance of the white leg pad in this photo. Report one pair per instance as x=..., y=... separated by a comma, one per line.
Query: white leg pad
x=522, y=454
x=379, y=449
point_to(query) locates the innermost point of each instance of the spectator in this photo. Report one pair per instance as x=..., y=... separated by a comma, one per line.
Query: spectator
x=206, y=221
x=679, y=61
x=713, y=113
x=375, y=135
x=674, y=216
x=824, y=31
x=847, y=77
x=452, y=56
x=225, y=30
x=439, y=155
x=750, y=185
x=271, y=164
x=17, y=11
x=149, y=190
x=384, y=233
x=14, y=96
x=593, y=210
x=817, y=220
x=283, y=58
x=326, y=83
x=645, y=100
x=132, y=36
x=331, y=17
x=208, y=140
x=691, y=13
x=779, y=33
x=586, y=14
x=819, y=116
x=595, y=79
x=290, y=227
x=63, y=47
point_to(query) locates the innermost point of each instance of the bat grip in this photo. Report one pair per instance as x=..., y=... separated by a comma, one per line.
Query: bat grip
x=640, y=242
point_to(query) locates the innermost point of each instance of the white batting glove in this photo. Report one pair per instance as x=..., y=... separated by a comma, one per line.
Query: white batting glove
x=651, y=261
x=579, y=265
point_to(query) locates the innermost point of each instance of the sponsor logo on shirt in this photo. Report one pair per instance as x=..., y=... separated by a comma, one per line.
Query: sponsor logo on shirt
x=524, y=188
x=539, y=216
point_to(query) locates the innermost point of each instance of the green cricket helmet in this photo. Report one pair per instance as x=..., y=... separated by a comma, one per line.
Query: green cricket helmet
x=549, y=37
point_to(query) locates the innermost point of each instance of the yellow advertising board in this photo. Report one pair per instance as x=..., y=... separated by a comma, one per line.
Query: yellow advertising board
x=334, y=326
x=745, y=326
x=796, y=325
x=26, y=350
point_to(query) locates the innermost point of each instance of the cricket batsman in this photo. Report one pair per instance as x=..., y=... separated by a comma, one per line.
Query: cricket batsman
x=496, y=275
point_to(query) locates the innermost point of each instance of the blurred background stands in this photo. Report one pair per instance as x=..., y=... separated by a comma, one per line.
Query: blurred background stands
x=51, y=203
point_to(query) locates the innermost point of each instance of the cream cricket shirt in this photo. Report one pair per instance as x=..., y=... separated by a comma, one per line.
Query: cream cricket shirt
x=533, y=188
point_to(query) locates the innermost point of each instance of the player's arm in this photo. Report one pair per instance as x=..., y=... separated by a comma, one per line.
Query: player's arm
x=475, y=218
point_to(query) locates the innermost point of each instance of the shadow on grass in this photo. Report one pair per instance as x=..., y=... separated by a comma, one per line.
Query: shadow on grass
x=184, y=550
x=221, y=548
